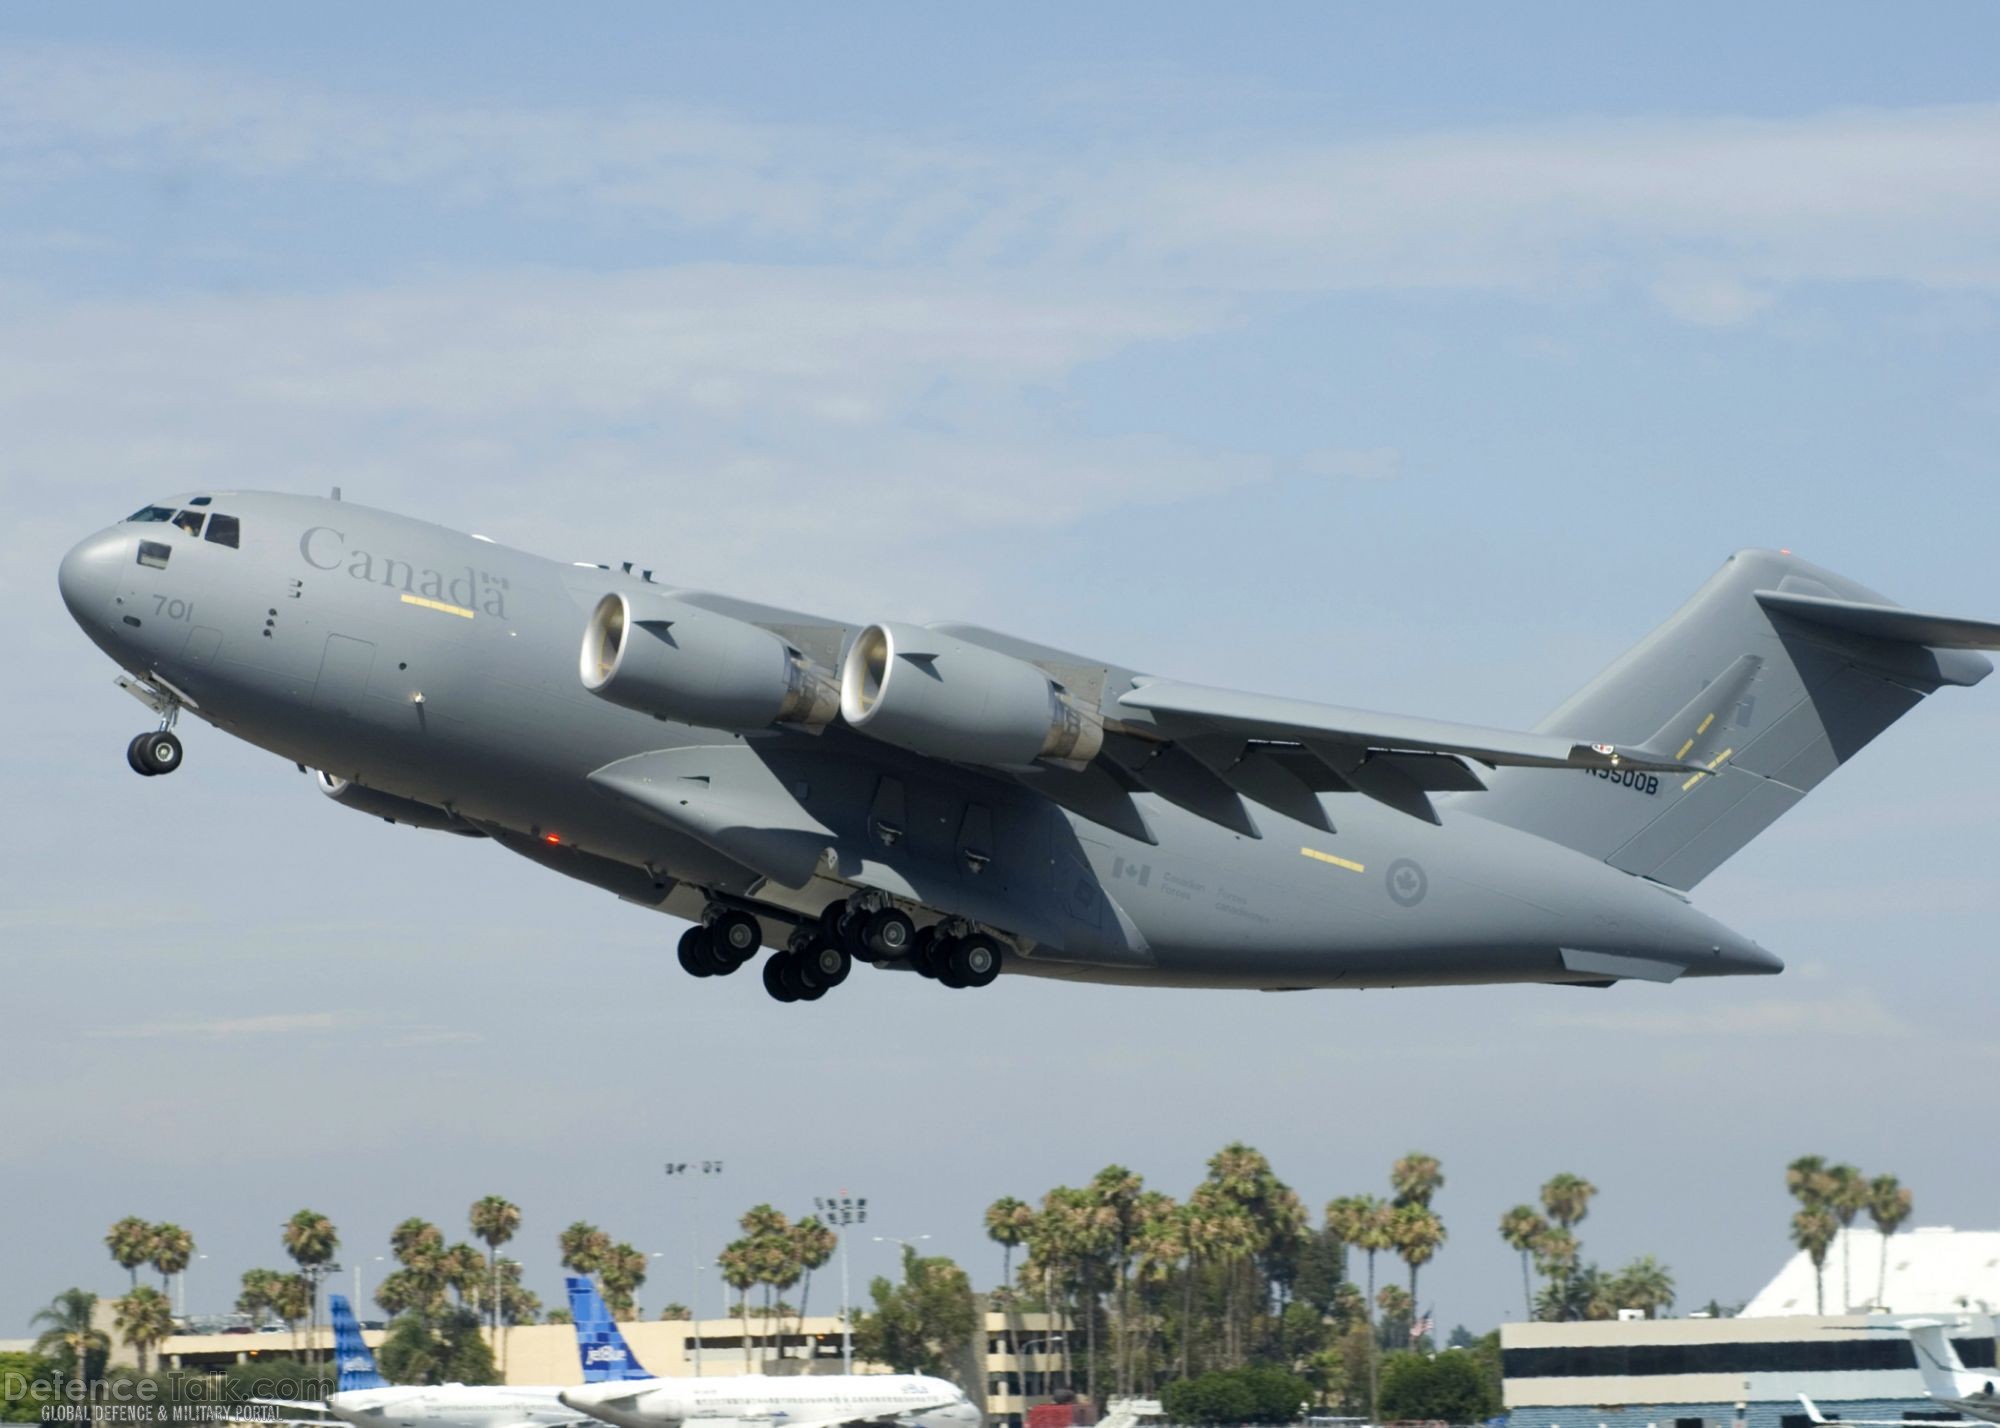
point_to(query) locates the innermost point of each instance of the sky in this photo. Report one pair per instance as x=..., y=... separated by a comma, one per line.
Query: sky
x=1408, y=358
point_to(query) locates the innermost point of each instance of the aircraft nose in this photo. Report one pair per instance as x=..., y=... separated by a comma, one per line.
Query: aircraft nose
x=1744, y=957
x=88, y=576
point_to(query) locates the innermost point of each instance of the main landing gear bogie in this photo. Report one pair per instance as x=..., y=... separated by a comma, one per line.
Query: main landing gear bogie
x=822, y=951
x=720, y=944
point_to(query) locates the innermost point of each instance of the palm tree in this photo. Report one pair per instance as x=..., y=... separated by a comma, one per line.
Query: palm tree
x=624, y=1270
x=1159, y=1248
x=1813, y=1229
x=1520, y=1227
x=1644, y=1284
x=131, y=1244
x=173, y=1249
x=494, y=1219
x=1889, y=1205
x=813, y=1244
x=145, y=1317
x=1555, y=1256
x=739, y=1272
x=584, y=1247
x=1415, y=1178
x=1808, y=1181
x=1117, y=1193
x=1167, y=1241
x=462, y=1268
x=292, y=1301
x=70, y=1334
x=1847, y=1197
x=1567, y=1199
x=1416, y=1231
x=1007, y=1221
x=415, y=1241
x=310, y=1240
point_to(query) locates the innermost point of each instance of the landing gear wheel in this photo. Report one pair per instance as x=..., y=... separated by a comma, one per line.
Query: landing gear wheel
x=944, y=961
x=775, y=981
x=697, y=960
x=887, y=934
x=132, y=758
x=975, y=960
x=828, y=965
x=155, y=753
x=923, y=952
x=735, y=936
x=797, y=975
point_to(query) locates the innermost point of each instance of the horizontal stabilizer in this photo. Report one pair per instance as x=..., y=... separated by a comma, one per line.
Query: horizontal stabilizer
x=1884, y=622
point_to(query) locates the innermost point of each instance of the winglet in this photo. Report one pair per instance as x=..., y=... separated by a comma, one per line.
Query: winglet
x=1812, y=1410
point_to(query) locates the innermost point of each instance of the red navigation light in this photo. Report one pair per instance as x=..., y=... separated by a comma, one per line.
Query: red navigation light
x=552, y=839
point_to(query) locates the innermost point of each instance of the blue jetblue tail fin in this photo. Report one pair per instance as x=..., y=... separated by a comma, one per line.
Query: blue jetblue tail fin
x=350, y=1351
x=606, y=1358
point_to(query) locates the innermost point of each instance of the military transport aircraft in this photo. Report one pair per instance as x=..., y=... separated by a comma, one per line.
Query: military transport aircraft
x=962, y=802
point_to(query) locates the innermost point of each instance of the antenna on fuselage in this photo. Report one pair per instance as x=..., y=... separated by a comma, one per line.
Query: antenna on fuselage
x=336, y=493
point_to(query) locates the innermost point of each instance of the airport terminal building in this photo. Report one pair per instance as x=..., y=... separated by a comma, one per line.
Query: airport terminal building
x=1751, y=1369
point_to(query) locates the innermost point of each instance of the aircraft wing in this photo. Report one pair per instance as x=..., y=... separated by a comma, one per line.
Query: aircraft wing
x=1284, y=752
x=1812, y=1412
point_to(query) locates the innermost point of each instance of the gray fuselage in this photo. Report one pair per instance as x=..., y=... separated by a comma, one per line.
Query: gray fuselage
x=442, y=668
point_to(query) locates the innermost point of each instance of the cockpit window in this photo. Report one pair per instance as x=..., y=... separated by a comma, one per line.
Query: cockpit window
x=224, y=530
x=199, y=500
x=189, y=521
x=152, y=513
x=154, y=553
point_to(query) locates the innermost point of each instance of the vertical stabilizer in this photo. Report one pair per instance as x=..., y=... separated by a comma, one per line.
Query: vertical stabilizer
x=606, y=1357
x=1774, y=675
x=351, y=1357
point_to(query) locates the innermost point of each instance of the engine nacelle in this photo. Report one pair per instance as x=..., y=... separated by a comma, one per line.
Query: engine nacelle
x=678, y=661
x=393, y=807
x=936, y=695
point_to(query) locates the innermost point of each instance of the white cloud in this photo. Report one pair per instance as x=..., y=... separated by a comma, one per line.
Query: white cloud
x=222, y=1028
x=1712, y=217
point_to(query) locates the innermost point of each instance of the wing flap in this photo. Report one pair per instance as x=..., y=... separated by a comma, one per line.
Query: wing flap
x=1178, y=706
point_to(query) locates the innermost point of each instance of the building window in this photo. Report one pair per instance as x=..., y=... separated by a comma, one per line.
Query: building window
x=1690, y=1423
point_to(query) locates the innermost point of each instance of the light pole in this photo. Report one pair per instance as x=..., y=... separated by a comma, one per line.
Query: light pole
x=377, y=1259
x=698, y=1171
x=844, y=1210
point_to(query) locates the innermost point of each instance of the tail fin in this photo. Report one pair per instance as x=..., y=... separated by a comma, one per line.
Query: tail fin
x=1772, y=676
x=1945, y=1375
x=606, y=1359
x=350, y=1351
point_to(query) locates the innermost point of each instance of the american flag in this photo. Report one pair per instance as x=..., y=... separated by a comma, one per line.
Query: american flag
x=1422, y=1325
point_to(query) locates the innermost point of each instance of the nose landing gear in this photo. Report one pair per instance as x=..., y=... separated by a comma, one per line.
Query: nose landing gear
x=151, y=754
x=158, y=752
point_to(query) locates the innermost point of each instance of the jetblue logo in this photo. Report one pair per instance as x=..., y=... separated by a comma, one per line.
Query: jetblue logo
x=357, y=1364
x=604, y=1354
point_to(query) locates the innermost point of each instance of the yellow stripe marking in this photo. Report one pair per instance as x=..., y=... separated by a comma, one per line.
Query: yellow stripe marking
x=437, y=605
x=1684, y=749
x=1703, y=727
x=1349, y=864
x=1713, y=763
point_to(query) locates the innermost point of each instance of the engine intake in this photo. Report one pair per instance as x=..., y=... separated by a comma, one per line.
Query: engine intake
x=674, y=660
x=936, y=695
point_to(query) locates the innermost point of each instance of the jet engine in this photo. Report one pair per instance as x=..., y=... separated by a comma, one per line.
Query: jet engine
x=936, y=695
x=389, y=806
x=674, y=660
